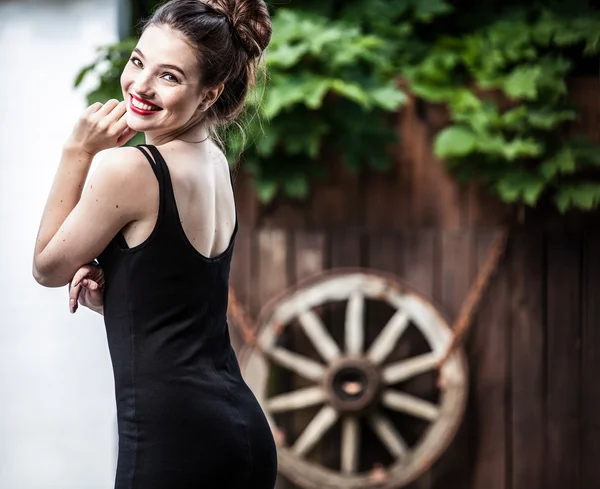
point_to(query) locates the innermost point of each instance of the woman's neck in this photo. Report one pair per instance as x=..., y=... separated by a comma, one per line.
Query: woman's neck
x=195, y=133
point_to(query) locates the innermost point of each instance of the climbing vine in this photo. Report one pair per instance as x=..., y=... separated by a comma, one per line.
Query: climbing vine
x=505, y=85
x=500, y=68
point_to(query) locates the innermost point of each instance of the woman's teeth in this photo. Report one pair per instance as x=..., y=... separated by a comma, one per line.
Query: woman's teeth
x=142, y=106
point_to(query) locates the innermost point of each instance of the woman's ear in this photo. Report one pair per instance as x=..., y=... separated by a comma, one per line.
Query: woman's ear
x=211, y=96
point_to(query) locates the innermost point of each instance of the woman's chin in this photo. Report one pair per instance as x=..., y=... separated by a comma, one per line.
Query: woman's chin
x=136, y=124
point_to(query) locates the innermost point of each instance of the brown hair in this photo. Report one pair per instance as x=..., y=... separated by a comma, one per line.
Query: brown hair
x=229, y=37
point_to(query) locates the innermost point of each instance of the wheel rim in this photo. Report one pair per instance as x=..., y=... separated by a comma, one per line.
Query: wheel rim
x=352, y=381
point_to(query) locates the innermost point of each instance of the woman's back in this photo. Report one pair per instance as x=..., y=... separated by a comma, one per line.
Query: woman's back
x=203, y=193
x=185, y=414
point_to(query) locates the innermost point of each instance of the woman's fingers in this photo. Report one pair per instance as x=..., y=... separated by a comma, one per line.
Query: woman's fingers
x=115, y=116
x=95, y=107
x=75, y=287
x=74, y=297
x=77, y=293
x=80, y=274
x=86, y=287
x=107, y=109
x=90, y=284
x=127, y=134
x=120, y=125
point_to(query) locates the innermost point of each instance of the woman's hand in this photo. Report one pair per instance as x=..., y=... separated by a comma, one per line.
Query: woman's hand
x=101, y=126
x=87, y=289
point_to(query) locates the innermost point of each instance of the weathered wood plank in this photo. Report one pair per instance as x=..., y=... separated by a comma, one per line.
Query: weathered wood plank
x=285, y=214
x=421, y=262
x=590, y=393
x=527, y=360
x=489, y=365
x=563, y=378
x=247, y=204
x=381, y=201
x=437, y=196
x=272, y=256
x=239, y=279
x=310, y=254
x=334, y=202
x=457, y=270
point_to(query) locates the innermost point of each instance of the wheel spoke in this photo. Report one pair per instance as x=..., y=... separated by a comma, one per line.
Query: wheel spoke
x=405, y=403
x=387, y=339
x=388, y=435
x=354, y=329
x=324, y=419
x=318, y=334
x=350, y=445
x=303, y=366
x=405, y=369
x=296, y=400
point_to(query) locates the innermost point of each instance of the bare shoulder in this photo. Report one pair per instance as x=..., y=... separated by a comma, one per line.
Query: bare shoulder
x=123, y=177
x=124, y=161
x=123, y=168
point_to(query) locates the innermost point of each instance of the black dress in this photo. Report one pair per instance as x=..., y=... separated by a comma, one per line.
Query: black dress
x=186, y=418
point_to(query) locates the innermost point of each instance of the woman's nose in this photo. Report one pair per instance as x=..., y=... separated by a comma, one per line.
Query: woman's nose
x=142, y=85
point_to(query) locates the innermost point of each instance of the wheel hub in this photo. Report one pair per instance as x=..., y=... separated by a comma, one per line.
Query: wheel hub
x=352, y=385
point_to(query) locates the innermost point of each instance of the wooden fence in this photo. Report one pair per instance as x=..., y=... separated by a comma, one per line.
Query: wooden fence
x=533, y=416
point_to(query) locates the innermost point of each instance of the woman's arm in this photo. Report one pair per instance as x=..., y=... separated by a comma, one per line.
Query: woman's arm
x=78, y=223
x=65, y=193
x=75, y=231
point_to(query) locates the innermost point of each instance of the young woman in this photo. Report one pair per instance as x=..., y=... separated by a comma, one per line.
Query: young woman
x=161, y=220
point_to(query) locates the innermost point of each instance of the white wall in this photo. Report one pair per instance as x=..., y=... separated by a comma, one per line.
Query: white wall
x=57, y=407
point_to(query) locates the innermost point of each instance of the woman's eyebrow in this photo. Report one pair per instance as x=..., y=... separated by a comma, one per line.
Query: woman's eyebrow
x=170, y=67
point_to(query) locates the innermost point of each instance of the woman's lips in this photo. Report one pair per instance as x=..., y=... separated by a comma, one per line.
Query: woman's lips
x=139, y=111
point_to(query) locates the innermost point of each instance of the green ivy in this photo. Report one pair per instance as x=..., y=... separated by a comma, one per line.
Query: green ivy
x=505, y=85
x=329, y=88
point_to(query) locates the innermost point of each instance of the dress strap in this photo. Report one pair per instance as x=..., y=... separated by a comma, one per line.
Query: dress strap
x=149, y=158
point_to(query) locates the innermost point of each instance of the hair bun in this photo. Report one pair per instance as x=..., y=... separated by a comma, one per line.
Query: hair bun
x=251, y=21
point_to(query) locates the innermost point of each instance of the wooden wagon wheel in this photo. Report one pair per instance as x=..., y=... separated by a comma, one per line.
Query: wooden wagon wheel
x=353, y=381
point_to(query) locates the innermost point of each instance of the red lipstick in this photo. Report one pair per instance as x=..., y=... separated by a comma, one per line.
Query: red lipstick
x=139, y=111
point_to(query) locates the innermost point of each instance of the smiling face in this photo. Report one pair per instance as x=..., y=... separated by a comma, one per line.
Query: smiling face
x=161, y=83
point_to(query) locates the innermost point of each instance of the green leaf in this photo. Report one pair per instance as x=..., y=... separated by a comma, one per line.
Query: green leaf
x=522, y=82
x=521, y=148
x=427, y=10
x=286, y=55
x=454, y=141
x=317, y=92
x=562, y=162
x=265, y=189
x=516, y=186
x=507, y=191
x=532, y=191
x=353, y=91
x=82, y=73
x=296, y=186
x=388, y=97
x=585, y=196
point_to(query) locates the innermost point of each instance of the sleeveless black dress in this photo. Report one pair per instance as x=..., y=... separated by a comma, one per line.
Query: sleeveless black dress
x=186, y=418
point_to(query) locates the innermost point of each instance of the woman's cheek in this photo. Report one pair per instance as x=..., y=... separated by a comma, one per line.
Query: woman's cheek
x=123, y=81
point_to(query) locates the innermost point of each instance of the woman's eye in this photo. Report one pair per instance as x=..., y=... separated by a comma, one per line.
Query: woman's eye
x=135, y=61
x=172, y=79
